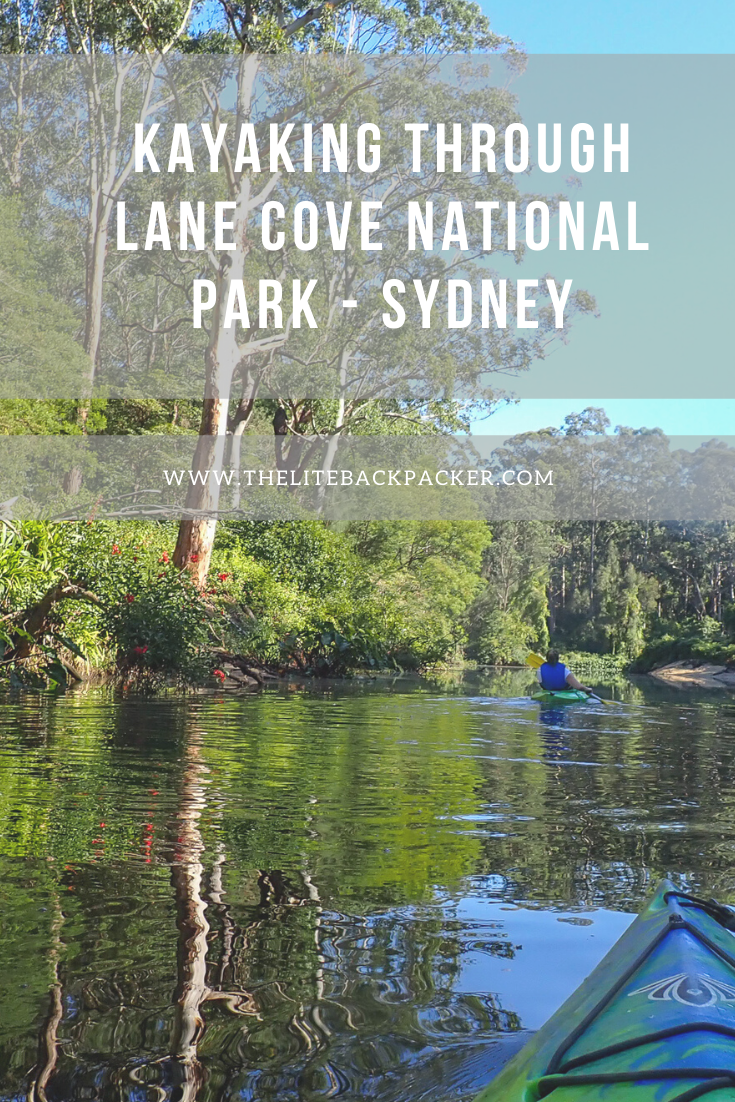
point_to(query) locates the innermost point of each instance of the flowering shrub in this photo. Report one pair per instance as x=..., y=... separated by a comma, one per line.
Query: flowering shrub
x=286, y=594
x=151, y=615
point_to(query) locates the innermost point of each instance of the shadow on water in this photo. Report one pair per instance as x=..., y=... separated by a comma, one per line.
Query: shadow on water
x=356, y=891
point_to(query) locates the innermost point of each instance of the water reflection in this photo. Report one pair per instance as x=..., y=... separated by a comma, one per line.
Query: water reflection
x=351, y=892
x=553, y=722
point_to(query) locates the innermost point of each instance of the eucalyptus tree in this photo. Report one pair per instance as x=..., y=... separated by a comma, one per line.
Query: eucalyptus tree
x=100, y=50
x=115, y=56
x=325, y=92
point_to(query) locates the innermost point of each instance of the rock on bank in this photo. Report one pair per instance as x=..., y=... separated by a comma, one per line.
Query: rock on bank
x=691, y=672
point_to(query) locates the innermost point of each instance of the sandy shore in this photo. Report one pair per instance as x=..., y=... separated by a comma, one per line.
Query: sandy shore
x=705, y=675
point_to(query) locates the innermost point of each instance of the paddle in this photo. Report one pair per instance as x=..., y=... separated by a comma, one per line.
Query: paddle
x=537, y=660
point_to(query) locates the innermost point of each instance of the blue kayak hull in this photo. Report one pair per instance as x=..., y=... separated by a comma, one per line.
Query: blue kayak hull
x=654, y=1022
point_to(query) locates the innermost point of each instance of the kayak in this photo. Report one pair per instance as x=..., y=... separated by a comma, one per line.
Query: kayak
x=654, y=1022
x=563, y=696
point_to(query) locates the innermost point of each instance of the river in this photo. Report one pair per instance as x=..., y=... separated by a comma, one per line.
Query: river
x=370, y=890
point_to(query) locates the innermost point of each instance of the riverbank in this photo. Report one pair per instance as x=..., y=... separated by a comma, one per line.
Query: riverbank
x=693, y=672
x=106, y=601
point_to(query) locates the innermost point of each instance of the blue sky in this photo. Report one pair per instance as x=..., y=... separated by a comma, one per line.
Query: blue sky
x=676, y=416
x=617, y=26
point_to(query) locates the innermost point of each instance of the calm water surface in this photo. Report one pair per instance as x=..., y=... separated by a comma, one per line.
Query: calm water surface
x=364, y=891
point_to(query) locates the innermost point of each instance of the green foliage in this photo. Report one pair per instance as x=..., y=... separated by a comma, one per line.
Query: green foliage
x=369, y=595
x=706, y=640
x=728, y=618
x=510, y=614
x=323, y=649
x=31, y=556
x=151, y=614
x=596, y=669
x=37, y=333
x=28, y=416
x=31, y=559
x=374, y=595
x=625, y=599
x=426, y=574
x=306, y=553
x=505, y=639
x=609, y=583
x=124, y=605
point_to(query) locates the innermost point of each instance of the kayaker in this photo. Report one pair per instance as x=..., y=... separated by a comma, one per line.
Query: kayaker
x=554, y=676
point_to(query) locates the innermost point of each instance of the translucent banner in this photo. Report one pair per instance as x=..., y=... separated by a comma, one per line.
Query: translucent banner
x=640, y=476
x=351, y=227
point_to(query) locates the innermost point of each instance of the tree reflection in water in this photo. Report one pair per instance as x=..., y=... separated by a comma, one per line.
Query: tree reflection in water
x=267, y=898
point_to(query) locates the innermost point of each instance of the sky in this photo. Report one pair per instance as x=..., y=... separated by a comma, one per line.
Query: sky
x=616, y=26
x=676, y=416
x=625, y=27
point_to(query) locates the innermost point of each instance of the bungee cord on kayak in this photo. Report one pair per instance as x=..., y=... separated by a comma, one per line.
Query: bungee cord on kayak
x=677, y=966
x=719, y=911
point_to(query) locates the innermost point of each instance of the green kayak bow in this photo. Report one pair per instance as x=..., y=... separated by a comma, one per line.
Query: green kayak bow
x=654, y=1022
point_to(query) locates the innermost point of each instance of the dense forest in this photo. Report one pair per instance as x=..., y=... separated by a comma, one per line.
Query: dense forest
x=151, y=601
x=323, y=598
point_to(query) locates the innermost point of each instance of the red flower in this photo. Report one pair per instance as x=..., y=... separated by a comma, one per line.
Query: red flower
x=218, y=674
x=140, y=650
x=164, y=557
x=194, y=558
x=129, y=598
x=223, y=577
x=115, y=550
